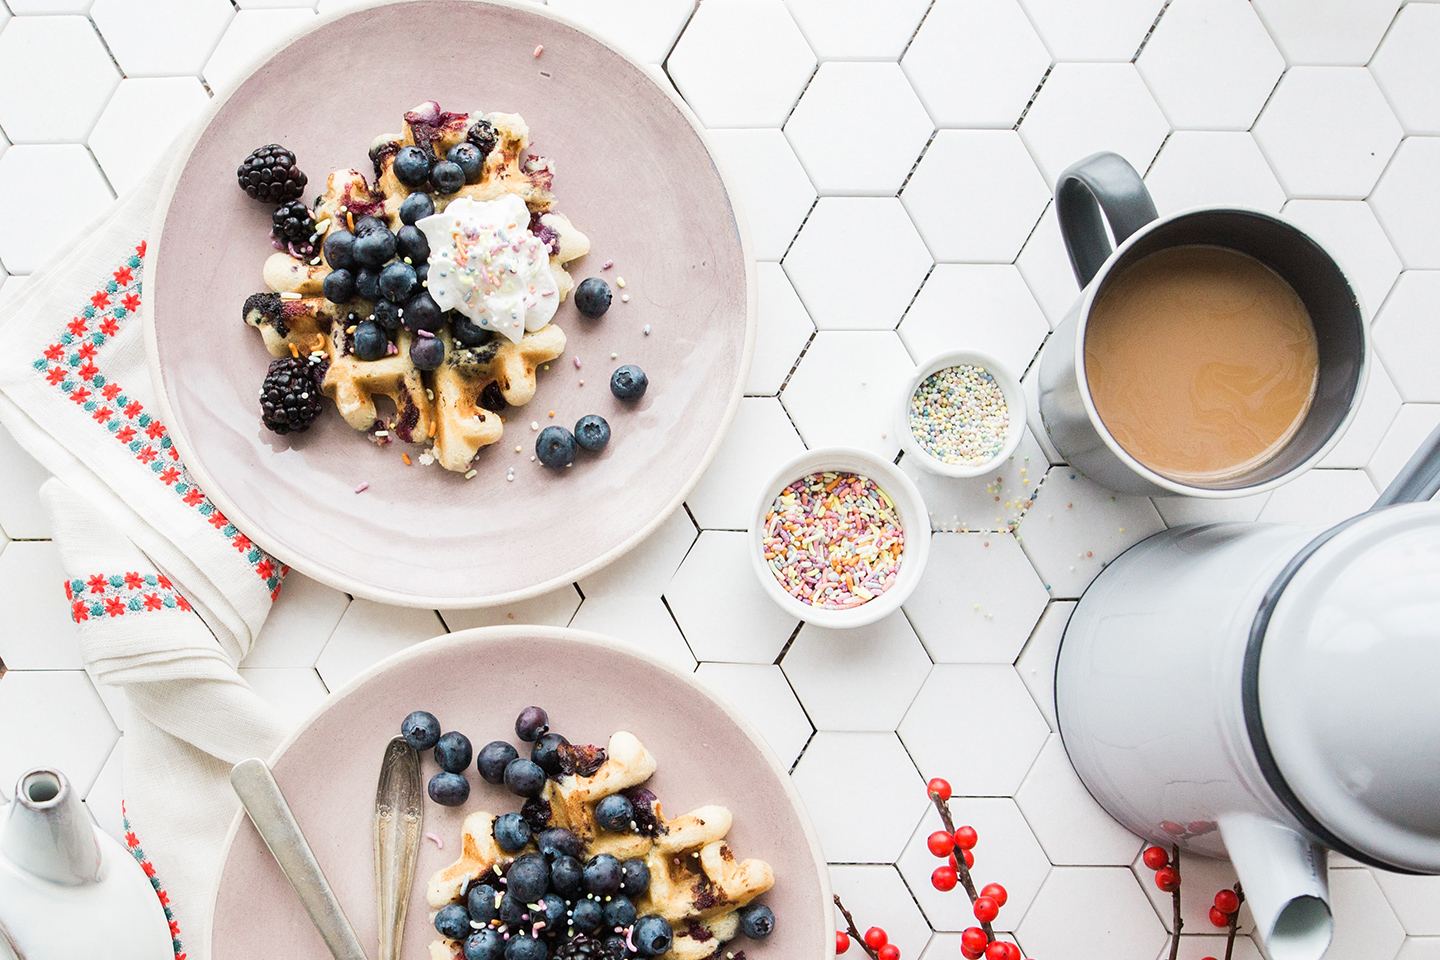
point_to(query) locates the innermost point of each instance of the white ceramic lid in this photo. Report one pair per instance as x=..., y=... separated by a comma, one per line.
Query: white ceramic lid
x=1349, y=686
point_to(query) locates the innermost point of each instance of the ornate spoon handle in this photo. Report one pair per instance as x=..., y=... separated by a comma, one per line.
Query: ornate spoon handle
x=399, y=817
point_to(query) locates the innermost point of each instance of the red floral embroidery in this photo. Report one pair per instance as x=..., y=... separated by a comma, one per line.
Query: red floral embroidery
x=100, y=299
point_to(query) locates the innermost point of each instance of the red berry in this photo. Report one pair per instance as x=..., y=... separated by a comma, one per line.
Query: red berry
x=969, y=954
x=986, y=909
x=1207, y=958
x=944, y=878
x=969, y=859
x=940, y=843
x=996, y=951
x=1227, y=901
x=1167, y=879
x=1012, y=952
x=939, y=788
x=995, y=892
x=974, y=939
x=876, y=938
x=966, y=838
x=1155, y=858
x=842, y=941
x=1219, y=917
x=889, y=952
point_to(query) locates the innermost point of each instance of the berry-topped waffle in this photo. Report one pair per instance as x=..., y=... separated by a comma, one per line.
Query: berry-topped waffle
x=432, y=286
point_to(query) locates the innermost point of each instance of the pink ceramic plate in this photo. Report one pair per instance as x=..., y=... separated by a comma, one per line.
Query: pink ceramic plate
x=632, y=172
x=476, y=682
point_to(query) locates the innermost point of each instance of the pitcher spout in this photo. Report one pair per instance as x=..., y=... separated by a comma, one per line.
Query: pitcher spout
x=1286, y=885
x=47, y=832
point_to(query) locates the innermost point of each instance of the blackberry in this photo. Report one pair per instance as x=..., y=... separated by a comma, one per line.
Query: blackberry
x=271, y=174
x=482, y=134
x=291, y=227
x=289, y=398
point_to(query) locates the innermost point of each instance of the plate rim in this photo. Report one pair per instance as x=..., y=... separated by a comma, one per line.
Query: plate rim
x=502, y=633
x=339, y=579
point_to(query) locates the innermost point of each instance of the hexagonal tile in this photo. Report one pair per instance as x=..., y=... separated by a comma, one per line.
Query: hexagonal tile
x=1320, y=496
x=645, y=570
x=246, y=38
x=847, y=389
x=105, y=795
x=978, y=600
x=1076, y=527
x=1100, y=30
x=38, y=634
x=741, y=63
x=1070, y=825
x=153, y=38
x=21, y=514
x=367, y=633
x=293, y=692
x=851, y=778
x=1407, y=202
x=1412, y=424
x=140, y=122
x=784, y=331
x=775, y=193
x=1420, y=948
x=1210, y=64
x=641, y=622
x=878, y=898
x=837, y=227
x=1365, y=926
x=1046, y=268
x=302, y=618
x=760, y=694
x=1349, y=230
x=1209, y=946
x=976, y=64
x=822, y=128
x=1087, y=107
x=555, y=609
x=645, y=30
x=971, y=306
x=1036, y=663
x=1030, y=384
x=1091, y=913
x=1415, y=900
x=1377, y=411
x=994, y=502
x=1407, y=336
x=976, y=726
x=45, y=192
x=721, y=607
x=64, y=57
x=26, y=7
x=1328, y=132
x=77, y=735
x=1203, y=877
x=1407, y=72
x=10, y=287
x=1006, y=853
x=857, y=29
x=860, y=679
x=1327, y=31
x=1178, y=510
x=760, y=440
x=976, y=195
x=1196, y=169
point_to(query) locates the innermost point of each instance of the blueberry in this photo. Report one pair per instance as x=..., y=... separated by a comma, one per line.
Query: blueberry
x=619, y=912
x=525, y=948
x=532, y=723
x=528, y=878
x=387, y=314
x=339, y=286
x=423, y=313
x=634, y=877
x=397, y=282
x=652, y=935
x=628, y=382
x=417, y=206
x=453, y=921
x=602, y=875
x=412, y=166
x=453, y=752
x=340, y=249
x=493, y=758
x=421, y=730
x=467, y=157
x=757, y=921
x=587, y=916
x=565, y=876
x=512, y=910
x=485, y=945
x=422, y=272
x=370, y=341
x=615, y=813
x=555, y=447
x=511, y=832
x=375, y=249
x=411, y=243
x=447, y=176
x=592, y=297
x=449, y=789
x=524, y=778
x=427, y=353
x=466, y=332
x=367, y=225
x=555, y=910
x=557, y=842
x=592, y=432
x=367, y=284
x=546, y=753
x=481, y=902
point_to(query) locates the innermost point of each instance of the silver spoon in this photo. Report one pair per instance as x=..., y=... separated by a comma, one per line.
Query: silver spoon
x=399, y=818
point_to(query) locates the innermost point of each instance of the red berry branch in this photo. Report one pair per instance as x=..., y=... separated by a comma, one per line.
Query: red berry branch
x=975, y=942
x=875, y=942
x=1225, y=912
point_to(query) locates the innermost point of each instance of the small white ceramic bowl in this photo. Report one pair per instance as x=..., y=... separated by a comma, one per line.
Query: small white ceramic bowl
x=914, y=521
x=1014, y=400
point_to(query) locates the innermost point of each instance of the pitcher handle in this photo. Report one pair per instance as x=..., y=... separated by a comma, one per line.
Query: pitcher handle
x=1419, y=479
x=1102, y=182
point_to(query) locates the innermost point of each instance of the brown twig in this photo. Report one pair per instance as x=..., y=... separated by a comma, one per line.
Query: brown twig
x=1234, y=921
x=855, y=935
x=1175, y=899
x=960, y=869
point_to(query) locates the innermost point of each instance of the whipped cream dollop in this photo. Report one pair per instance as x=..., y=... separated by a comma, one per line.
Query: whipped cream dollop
x=486, y=264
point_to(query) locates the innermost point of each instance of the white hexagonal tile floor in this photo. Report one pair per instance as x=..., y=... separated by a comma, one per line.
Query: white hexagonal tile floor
x=847, y=389
x=860, y=679
x=774, y=191
x=1212, y=169
x=1407, y=202
x=720, y=606
x=1327, y=31
x=884, y=792
x=1091, y=913
x=65, y=58
x=971, y=306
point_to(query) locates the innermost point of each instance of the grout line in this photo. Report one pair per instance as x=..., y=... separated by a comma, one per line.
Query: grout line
x=1031, y=102
x=916, y=165
x=1151, y=32
x=665, y=60
x=923, y=17
x=794, y=106
x=106, y=44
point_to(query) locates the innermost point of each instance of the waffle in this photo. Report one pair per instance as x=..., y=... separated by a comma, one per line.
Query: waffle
x=696, y=882
x=354, y=384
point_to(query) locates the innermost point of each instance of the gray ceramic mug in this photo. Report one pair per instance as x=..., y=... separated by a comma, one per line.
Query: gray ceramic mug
x=1104, y=187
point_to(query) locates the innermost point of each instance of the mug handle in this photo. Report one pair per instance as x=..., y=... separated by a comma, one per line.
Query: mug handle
x=1101, y=182
x=1419, y=479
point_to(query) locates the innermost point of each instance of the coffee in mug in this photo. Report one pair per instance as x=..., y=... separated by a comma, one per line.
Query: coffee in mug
x=1201, y=361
